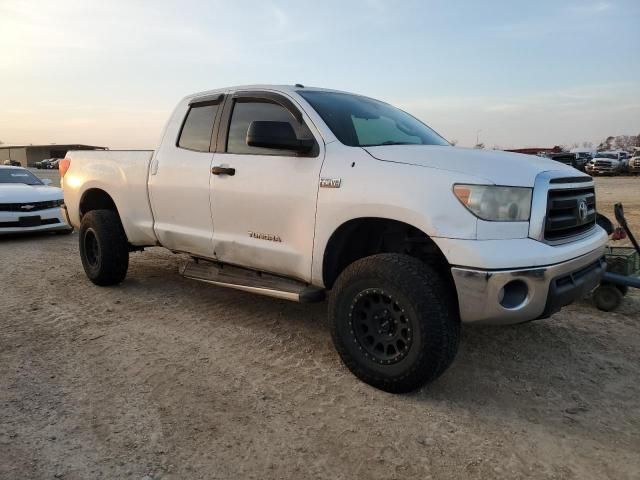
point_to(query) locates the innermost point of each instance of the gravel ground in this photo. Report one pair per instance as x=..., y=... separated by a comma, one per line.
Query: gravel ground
x=169, y=378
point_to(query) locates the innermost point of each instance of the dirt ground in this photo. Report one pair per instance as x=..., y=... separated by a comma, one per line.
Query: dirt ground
x=163, y=377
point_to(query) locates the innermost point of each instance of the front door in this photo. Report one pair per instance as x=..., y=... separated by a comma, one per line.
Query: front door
x=264, y=212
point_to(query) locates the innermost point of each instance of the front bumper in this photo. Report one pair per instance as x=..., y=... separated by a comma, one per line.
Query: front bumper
x=605, y=170
x=50, y=219
x=531, y=293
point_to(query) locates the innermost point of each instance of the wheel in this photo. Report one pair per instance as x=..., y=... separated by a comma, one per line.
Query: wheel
x=623, y=289
x=394, y=322
x=607, y=297
x=104, y=249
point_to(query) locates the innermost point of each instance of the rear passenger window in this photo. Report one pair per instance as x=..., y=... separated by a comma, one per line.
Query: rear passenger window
x=197, y=128
x=250, y=110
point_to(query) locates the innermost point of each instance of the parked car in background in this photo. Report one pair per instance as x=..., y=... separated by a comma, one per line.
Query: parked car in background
x=608, y=163
x=623, y=156
x=583, y=156
x=53, y=165
x=44, y=163
x=12, y=163
x=634, y=164
x=28, y=204
x=568, y=158
x=589, y=166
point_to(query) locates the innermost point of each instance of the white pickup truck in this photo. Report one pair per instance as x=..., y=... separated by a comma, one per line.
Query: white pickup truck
x=291, y=191
x=610, y=163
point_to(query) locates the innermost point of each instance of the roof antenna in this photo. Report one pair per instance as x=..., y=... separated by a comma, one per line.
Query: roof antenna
x=299, y=85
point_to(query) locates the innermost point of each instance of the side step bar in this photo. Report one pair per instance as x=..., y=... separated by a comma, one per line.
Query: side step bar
x=251, y=281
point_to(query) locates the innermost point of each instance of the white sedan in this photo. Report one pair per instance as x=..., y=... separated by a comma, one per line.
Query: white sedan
x=28, y=204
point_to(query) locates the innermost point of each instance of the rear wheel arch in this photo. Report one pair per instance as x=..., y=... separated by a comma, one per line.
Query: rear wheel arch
x=96, y=199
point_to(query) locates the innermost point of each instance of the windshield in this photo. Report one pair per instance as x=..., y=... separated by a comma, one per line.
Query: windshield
x=607, y=155
x=18, y=175
x=363, y=122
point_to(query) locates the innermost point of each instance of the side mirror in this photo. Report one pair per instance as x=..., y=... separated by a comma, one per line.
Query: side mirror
x=276, y=135
x=46, y=181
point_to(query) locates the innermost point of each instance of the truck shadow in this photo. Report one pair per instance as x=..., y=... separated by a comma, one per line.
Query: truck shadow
x=561, y=371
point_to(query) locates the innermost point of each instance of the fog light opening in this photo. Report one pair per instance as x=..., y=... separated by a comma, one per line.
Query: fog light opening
x=513, y=294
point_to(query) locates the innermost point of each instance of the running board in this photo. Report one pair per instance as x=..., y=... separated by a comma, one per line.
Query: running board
x=251, y=281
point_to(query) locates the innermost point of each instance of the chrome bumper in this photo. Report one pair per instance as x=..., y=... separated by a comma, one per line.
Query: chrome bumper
x=531, y=293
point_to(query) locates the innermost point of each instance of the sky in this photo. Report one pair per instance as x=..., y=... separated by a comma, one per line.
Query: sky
x=510, y=73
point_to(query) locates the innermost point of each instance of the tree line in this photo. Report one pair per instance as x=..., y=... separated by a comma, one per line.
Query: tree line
x=618, y=142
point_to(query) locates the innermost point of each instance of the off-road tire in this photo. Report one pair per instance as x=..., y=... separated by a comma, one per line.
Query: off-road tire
x=431, y=313
x=104, y=249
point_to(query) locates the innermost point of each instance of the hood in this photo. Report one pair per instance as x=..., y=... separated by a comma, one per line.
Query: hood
x=494, y=166
x=21, y=193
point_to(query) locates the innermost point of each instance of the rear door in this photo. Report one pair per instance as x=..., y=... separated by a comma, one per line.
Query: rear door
x=264, y=212
x=179, y=182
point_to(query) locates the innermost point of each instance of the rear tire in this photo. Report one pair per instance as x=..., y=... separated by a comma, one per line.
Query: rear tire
x=394, y=322
x=104, y=249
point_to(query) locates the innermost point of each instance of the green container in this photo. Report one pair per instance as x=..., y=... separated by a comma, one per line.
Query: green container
x=622, y=260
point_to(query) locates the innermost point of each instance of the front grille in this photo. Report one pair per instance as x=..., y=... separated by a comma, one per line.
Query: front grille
x=603, y=164
x=581, y=179
x=563, y=218
x=636, y=163
x=28, y=207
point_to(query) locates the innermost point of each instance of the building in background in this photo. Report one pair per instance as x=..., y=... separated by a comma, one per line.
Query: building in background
x=28, y=155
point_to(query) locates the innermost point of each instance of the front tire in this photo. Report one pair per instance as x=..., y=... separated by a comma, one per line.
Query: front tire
x=104, y=249
x=394, y=322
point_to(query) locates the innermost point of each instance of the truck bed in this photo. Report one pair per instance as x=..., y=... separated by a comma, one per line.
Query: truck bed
x=122, y=174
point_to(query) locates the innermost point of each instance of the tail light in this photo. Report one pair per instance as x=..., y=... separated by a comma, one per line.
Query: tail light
x=63, y=166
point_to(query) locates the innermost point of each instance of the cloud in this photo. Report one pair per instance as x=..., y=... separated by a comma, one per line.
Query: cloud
x=592, y=8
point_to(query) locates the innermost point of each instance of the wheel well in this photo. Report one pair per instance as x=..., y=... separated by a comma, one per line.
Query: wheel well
x=96, y=199
x=363, y=237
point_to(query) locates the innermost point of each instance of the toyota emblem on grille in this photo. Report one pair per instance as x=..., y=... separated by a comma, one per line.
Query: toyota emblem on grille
x=28, y=207
x=583, y=211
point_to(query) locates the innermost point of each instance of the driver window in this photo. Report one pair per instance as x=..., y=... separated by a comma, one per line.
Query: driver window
x=246, y=111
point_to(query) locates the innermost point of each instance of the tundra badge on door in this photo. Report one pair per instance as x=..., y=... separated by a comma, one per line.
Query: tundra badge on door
x=265, y=236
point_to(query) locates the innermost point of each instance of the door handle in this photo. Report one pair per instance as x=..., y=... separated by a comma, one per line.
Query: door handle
x=223, y=171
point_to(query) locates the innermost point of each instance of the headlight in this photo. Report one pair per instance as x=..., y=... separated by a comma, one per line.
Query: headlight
x=498, y=204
